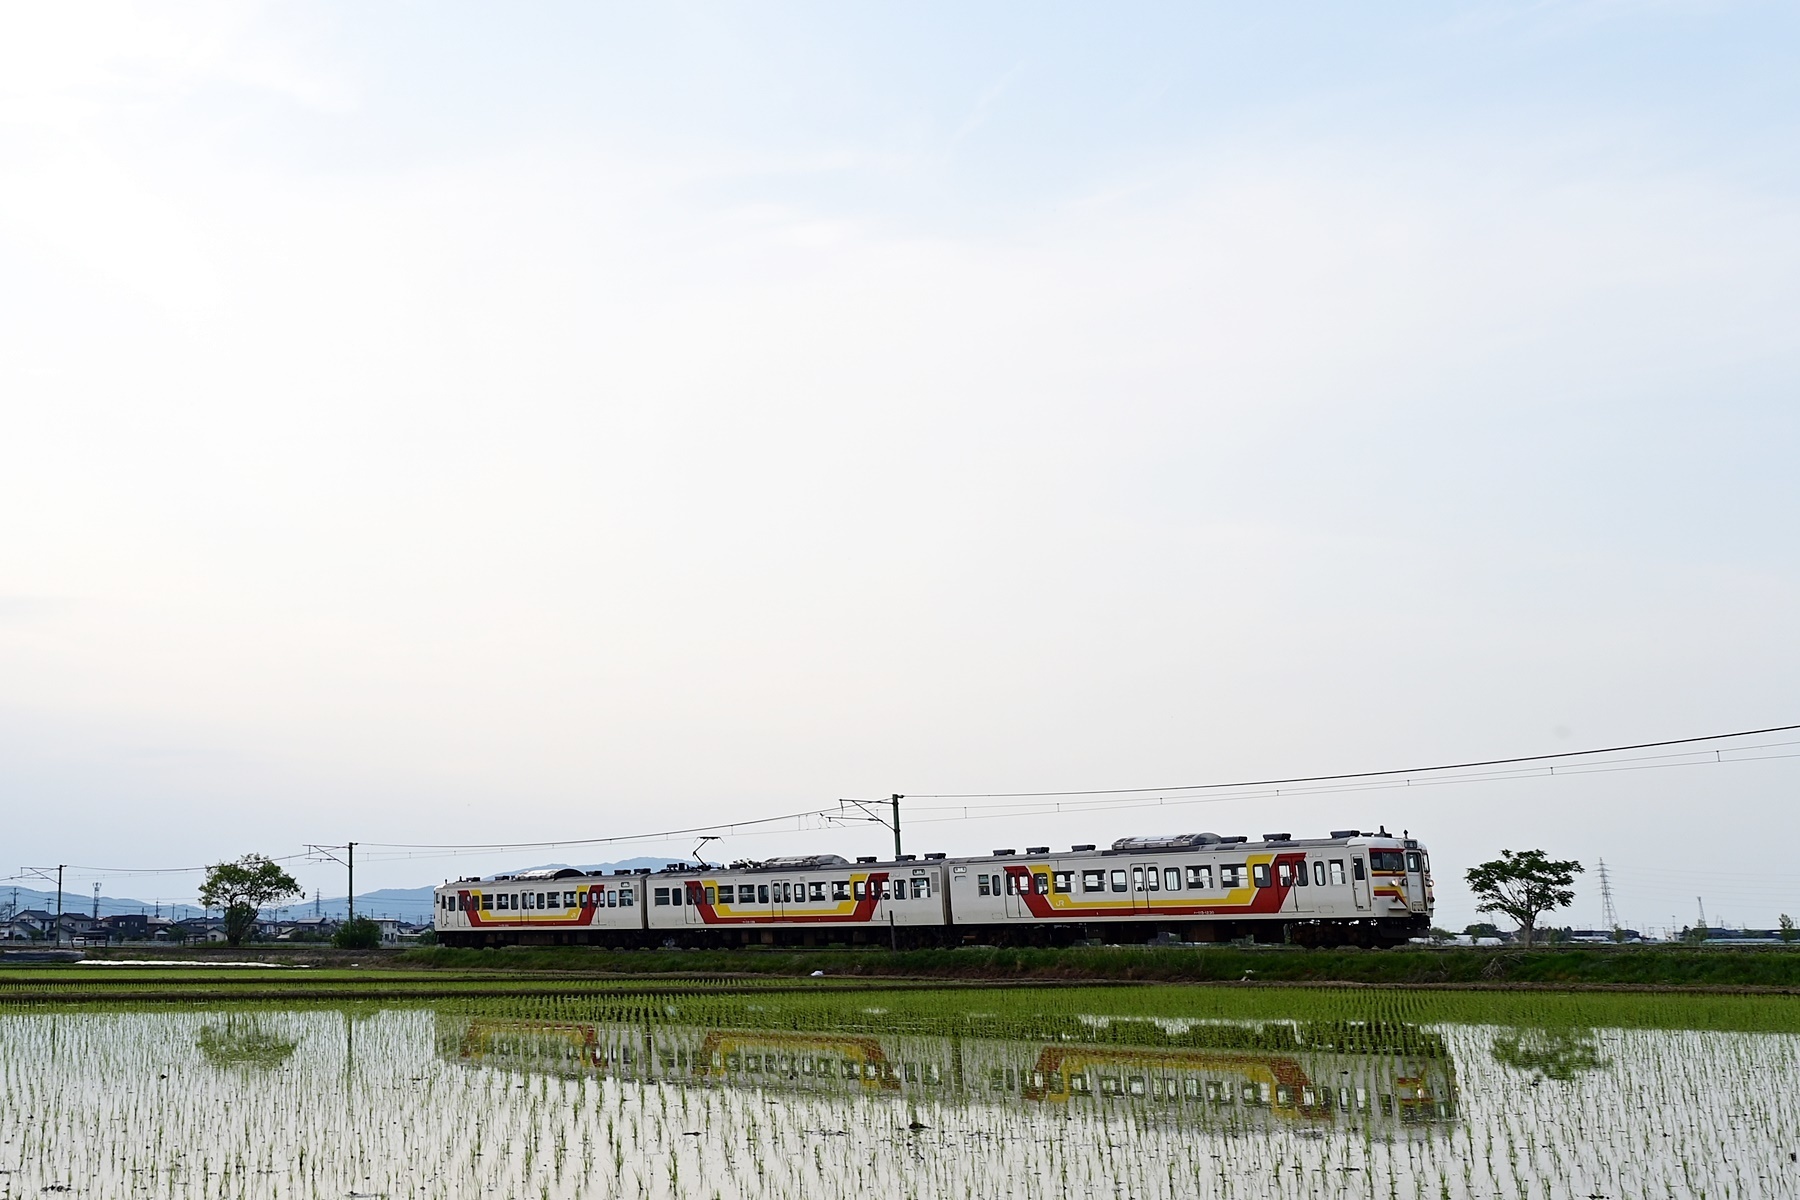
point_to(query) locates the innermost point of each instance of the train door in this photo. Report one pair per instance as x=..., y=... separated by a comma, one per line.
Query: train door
x=1415, y=881
x=781, y=892
x=1016, y=881
x=1146, y=883
x=696, y=892
x=1359, y=882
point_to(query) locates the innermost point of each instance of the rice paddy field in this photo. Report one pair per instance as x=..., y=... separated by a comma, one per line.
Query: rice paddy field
x=816, y=1088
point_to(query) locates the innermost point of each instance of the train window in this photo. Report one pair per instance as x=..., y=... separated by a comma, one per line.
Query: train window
x=787, y=893
x=1413, y=862
x=815, y=891
x=1118, y=881
x=1064, y=881
x=922, y=888
x=1043, y=883
x=1231, y=875
x=1137, y=879
x=1200, y=877
x=675, y=896
x=1171, y=879
x=1319, y=871
x=1284, y=874
x=1337, y=872
x=709, y=896
x=762, y=893
x=568, y=899
x=1387, y=860
x=1012, y=884
x=613, y=901
x=626, y=898
x=840, y=889
x=981, y=885
x=487, y=902
x=1259, y=875
x=860, y=889
x=1152, y=879
x=1093, y=881
x=1356, y=865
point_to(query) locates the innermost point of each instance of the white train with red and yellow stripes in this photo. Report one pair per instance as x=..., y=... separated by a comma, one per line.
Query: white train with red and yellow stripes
x=1351, y=888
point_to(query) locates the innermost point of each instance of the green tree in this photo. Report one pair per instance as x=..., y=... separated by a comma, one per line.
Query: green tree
x=1787, y=928
x=1524, y=886
x=244, y=1045
x=358, y=933
x=1552, y=1053
x=242, y=887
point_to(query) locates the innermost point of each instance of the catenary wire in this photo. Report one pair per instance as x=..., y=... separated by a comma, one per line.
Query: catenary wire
x=1491, y=762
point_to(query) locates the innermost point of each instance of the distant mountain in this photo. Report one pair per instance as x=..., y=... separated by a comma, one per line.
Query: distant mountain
x=406, y=904
x=80, y=902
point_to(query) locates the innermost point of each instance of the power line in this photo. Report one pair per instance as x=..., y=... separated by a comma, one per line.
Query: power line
x=1490, y=762
x=603, y=841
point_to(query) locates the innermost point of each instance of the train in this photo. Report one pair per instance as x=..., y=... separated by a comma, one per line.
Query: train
x=1385, y=1079
x=1353, y=888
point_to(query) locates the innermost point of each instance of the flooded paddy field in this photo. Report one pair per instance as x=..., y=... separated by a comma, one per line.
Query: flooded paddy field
x=1075, y=1092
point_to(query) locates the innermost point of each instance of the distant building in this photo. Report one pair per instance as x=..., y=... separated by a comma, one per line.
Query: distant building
x=127, y=927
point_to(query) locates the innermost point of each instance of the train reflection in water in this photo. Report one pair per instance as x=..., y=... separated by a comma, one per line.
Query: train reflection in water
x=1402, y=1078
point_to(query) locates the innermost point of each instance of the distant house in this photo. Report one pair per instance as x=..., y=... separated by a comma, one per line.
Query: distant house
x=390, y=930
x=315, y=928
x=80, y=925
x=127, y=927
x=36, y=919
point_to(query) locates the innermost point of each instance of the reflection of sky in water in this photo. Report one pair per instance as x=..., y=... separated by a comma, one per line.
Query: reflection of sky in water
x=414, y=1103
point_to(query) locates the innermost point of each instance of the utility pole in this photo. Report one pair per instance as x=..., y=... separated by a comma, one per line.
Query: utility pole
x=329, y=854
x=59, y=871
x=1607, y=912
x=870, y=813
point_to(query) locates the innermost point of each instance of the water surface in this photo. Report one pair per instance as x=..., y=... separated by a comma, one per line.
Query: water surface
x=1072, y=1095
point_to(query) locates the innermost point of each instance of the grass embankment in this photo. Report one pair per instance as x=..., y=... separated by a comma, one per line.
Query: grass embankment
x=426, y=972
x=1629, y=966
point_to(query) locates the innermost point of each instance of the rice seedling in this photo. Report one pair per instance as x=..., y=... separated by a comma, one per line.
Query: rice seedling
x=684, y=1089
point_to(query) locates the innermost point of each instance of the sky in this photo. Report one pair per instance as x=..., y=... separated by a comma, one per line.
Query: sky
x=449, y=424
